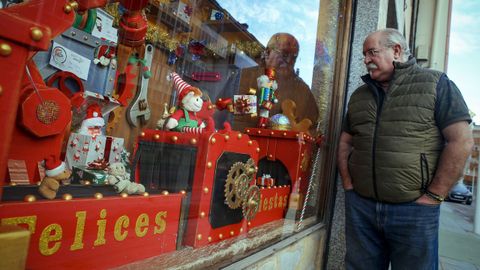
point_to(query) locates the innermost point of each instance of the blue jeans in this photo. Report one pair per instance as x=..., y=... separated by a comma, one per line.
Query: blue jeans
x=404, y=235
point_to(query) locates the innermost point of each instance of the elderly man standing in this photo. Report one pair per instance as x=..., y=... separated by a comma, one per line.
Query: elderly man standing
x=404, y=143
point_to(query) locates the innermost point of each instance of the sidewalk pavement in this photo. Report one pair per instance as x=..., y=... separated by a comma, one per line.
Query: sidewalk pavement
x=459, y=246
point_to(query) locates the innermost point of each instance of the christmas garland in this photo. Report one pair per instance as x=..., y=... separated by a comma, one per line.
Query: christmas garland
x=250, y=48
x=157, y=35
x=112, y=9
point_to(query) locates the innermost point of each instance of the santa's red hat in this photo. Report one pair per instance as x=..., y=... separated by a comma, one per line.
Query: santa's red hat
x=54, y=166
x=104, y=54
x=94, y=117
x=182, y=87
x=105, y=50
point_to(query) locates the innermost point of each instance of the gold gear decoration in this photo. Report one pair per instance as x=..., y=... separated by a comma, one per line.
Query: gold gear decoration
x=232, y=197
x=241, y=184
x=251, y=168
x=251, y=203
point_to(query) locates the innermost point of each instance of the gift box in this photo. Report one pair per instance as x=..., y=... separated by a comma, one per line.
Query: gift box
x=265, y=181
x=84, y=149
x=181, y=10
x=245, y=104
x=81, y=174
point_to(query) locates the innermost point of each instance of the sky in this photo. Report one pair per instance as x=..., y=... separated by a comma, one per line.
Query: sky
x=268, y=17
x=464, y=53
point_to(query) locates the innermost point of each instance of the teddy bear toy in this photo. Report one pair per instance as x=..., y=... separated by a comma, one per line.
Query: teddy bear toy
x=55, y=173
x=185, y=118
x=119, y=178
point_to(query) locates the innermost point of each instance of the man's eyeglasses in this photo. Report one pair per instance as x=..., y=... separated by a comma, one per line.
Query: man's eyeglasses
x=372, y=53
x=286, y=57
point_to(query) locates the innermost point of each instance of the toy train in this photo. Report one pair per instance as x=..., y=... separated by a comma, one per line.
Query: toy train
x=201, y=189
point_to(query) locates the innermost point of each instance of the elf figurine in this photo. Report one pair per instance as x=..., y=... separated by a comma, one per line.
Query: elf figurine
x=93, y=122
x=267, y=86
x=190, y=102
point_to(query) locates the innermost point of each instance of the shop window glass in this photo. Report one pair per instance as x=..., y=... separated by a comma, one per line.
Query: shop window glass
x=189, y=127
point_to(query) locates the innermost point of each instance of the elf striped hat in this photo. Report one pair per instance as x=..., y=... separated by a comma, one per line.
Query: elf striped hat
x=182, y=87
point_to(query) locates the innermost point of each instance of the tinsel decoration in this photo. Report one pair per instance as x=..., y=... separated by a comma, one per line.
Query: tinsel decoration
x=156, y=35
x=159, y=36
x=112, y=9
x=251, y=48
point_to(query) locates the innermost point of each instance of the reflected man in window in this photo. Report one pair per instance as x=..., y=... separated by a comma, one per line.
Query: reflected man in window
x=280, y=55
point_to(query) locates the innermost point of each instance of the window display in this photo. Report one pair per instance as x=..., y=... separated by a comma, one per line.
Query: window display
x=156, y=128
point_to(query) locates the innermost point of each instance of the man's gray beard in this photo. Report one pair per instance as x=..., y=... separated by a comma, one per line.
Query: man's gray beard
x=371, y=66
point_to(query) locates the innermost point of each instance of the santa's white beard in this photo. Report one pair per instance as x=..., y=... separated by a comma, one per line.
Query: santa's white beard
x=90, y=130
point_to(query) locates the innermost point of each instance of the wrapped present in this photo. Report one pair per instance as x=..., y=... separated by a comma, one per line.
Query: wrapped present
x=81, y=174
x=245, y=104
x=265, y=181
x=113, y=149
x=84, y=149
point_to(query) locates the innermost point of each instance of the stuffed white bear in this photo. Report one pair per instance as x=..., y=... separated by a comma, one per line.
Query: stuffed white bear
x=120, y=179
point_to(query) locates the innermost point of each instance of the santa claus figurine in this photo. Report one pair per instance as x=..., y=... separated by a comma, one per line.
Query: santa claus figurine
x=190, y=102
x=93, y=122
x=105, y=55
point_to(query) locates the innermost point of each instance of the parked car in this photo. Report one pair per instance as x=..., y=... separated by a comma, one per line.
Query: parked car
x=460, y=193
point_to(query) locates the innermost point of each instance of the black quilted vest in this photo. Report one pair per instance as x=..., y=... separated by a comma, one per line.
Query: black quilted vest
x=396, y=146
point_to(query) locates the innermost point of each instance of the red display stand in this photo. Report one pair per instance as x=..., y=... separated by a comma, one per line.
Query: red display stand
x=210, y=147
x=273, y=205
x=293, y=149
x=114, y=231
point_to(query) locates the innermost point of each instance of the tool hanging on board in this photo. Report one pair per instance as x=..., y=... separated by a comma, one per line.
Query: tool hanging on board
x=138, y=110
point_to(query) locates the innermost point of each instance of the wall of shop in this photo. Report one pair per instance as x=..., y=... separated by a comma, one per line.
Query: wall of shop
x=299, y=252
